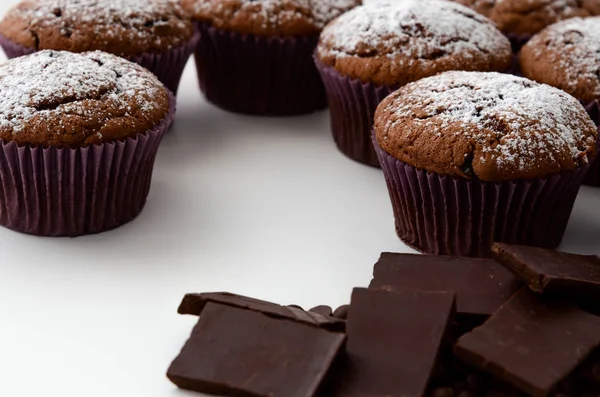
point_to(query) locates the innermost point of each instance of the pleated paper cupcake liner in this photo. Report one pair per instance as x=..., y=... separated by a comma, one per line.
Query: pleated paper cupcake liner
x=593, y=176
x=259, y=75
x=76, y=191
x=451, y=216
x=352, y=106
x=168, y=66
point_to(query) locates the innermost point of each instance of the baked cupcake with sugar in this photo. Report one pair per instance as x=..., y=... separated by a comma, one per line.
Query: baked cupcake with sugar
x=368, y=52
x=567, y=55
x=255, y=56
x=152, y=33
x=521, y=19
x=472, y=158
x=79, y=133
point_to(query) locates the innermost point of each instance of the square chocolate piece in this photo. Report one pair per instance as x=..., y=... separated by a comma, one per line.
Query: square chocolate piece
x=549, y=271
x=532, y=343
x=481, y=285
x=237, y=352
x=393, y=342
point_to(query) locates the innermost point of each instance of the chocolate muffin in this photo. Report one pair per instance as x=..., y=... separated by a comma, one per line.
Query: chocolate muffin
x=152, y=33
x=472, y=158
x=521, y=19
x=370, y=51
x=255, y=56
x=567, y=55
x=78, y=136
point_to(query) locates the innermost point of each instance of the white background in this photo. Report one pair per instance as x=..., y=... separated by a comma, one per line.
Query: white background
x=265, y=207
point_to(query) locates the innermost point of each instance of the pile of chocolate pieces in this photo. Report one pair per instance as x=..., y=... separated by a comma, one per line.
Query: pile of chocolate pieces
x=523, y=323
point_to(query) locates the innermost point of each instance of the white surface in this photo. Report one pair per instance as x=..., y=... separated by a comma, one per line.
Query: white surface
x=259, y=206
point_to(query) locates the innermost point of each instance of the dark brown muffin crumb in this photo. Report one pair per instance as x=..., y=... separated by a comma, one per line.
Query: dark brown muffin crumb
x=566, y=55
x=396, y=43
x=269, y=17
x=121, y=27
x=529, y=17
x=55, y=98
x=490, y=126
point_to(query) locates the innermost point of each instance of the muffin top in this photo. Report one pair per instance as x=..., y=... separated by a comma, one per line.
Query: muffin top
x=527, y=17
x=56, y=98
x=566, y=55
x=269, y=17
x=393, y=44
x=488, y=126
x=121, y=27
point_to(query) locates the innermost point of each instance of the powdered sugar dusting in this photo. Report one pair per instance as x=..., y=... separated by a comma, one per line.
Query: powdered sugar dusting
x=136, y=19
x=512, y=120
x=272, y=13
x=575, y=51
x=412, y=28
x=51, y=83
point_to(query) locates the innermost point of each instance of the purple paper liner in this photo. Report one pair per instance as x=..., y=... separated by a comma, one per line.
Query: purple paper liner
x=259, y=75
x=352, y=106
x=442, y=215
x=168, y=66
x=76, y=191
x=593, y=176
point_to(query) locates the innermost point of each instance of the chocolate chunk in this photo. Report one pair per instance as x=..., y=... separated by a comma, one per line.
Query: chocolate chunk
x=549, y=271
x=341, y=312
x=532, y=343
x=481, y=285
x=241, y=353
x=393, y=342
x=195, y=303
x=322, y=310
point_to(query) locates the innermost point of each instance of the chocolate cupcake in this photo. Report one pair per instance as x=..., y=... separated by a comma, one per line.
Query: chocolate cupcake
x=370, y=51
x=520, y=19
x=78, y=138
x=255, y=56
x=565, y=55
x=152, y=33
x=472, y=158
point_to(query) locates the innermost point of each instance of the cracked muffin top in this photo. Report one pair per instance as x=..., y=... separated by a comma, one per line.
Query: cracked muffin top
x=528, y=17
x=269, y=17
x=121, y=27
x=487, y=126
x=56, y=98
x=393, y=44
x=566, y=55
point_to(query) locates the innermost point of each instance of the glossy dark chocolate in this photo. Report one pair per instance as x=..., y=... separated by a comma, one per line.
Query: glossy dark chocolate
x=393, y=342
x=549, y=271
x=195, y=303
x=245, y=353
x=481, y=285
x=531, y=343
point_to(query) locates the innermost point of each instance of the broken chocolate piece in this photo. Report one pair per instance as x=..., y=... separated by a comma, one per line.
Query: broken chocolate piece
x=393, y=342
x=531, y=343
x=322, y=310
x=549, y=271
x=341, y=312
x=195, y=303
x=241, y=353
x=481, y=285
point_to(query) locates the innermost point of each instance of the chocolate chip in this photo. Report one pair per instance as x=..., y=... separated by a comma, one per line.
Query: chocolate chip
x=596, y=372
x=443, y=392
x=465, y=393
x=296, y=307
x=341, y=312
x=477, y=383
